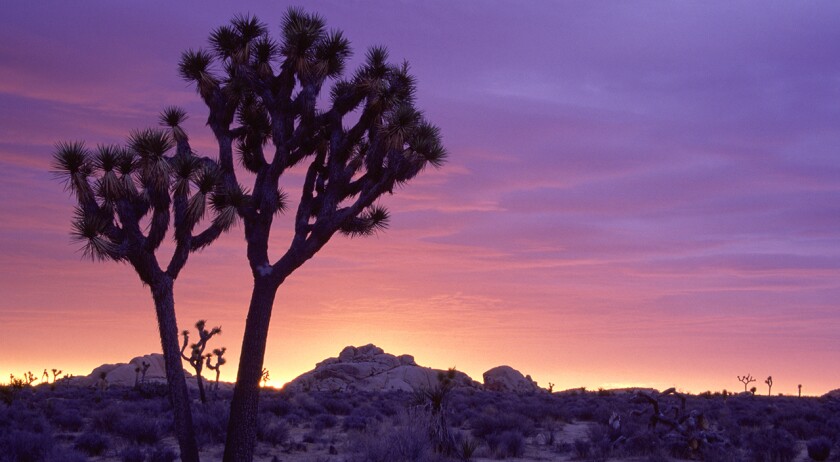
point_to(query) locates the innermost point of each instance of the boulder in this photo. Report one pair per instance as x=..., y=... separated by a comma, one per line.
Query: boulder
x=508, y=379
x=369, y=368
x=124, y=374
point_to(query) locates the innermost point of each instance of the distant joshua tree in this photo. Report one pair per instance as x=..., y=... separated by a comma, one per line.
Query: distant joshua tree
x=128, y=198
x=753, y=390
x=55, y=374
x=800, y=389
x=550, y=387
x=769, y=383
x=265, y=377
x=143, y=371
x=746, y=380
x=45, y=377
x=218, y=352
x=196, y=357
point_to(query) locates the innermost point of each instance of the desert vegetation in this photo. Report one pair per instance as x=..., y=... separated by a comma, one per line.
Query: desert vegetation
x=70, y=423
x=262, y=96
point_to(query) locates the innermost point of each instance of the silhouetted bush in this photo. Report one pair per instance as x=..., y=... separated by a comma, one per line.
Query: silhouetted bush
x=140, y=429
x=163, y=454
x=132, y=454
x=774, y=445
x=507, y=443
x=337, y=406
x=274, y=432
x=68, y=420
x=91, y=443
x=324, y=421
x=210, y=422
x=819, y=448
x=25, y=446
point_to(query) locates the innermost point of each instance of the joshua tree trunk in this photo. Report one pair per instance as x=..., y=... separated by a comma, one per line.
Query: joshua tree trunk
x=162, y=291
x=242, y=428
x=200, y=383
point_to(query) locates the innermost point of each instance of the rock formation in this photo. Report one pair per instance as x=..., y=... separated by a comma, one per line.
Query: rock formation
x=122, y=374
x=508, y=379
x=369, y=368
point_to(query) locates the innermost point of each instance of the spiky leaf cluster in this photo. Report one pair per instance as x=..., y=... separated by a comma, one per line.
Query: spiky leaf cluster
x=119, y=187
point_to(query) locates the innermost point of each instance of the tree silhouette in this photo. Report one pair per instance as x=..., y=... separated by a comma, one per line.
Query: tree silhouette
x=769, y=382
x=119, y=189
x=746, y=380
x=196, y=357
x=261, y=96
x=220, y=361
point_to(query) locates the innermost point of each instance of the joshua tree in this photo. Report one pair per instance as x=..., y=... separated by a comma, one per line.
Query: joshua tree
x=30, y=378
x=753, y=390
x=136, y=376
x=45, y=377
x=550, y=387
x=265, y=377
x=800, y=389
x=143, y=371
x=123, y=190
x=262, y=96
x=218, y=352
x=746, y=380
x=769, y=383
x=55, y=374
x=196, y=357
x=434, y=399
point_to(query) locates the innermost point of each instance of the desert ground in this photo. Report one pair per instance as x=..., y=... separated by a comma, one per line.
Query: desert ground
x=64, y=422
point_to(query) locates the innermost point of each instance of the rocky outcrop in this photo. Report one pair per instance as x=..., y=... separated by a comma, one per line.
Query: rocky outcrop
x=508, y=379
x=833, y=394
x=369, y=368
x=122, y=374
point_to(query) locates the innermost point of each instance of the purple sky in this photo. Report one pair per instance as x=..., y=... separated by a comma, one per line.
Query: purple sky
x=638, y=192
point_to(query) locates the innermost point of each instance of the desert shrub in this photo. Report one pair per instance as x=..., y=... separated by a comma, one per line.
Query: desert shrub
x=25, y=446
x=394, y=444
x=91, y=443
x=132, y=454
x=484, y=425
x=324, y=421
x=139, y=429
x=280, y=407
x=507, y=443
x=642, y=444
x=163, y=454
x=360, y=418
x=107, y=419
x=273, y=432
x=337, y=406
x=819, y=448
x=68, y=420
x=583, y=448
x=210, y=423
x=774, y=445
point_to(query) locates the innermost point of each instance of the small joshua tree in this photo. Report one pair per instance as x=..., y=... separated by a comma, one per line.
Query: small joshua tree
x=196, y=357
x=143, y=371
x=753, y=390
x=45, y=377
x=30, y=378
x=800, y=389
x=550, y=387
x=746, y=380
x=218, y=352
x=769, y=383
x=56, y=373
x=136, y=376
x=265, y=377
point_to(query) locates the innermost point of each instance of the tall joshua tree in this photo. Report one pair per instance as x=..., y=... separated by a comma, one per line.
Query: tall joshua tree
x=196, y=357
x=369, y=139
x=118, y=190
